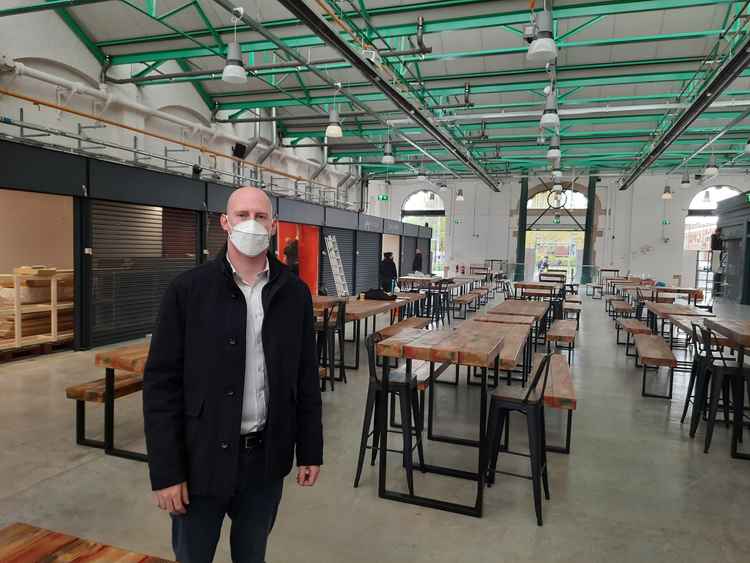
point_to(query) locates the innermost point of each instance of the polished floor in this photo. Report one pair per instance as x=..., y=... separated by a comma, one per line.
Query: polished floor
x=634, y=488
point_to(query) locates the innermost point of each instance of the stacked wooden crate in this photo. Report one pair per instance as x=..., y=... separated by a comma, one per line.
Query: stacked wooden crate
x=36, y=307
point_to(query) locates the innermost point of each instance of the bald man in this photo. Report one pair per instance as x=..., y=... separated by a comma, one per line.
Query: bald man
x=231, y=388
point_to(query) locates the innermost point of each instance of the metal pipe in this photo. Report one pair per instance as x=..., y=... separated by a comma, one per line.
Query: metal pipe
x=323, y=164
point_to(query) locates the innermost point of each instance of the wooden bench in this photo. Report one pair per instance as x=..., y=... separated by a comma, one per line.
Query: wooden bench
x=483, y=294
x=592, y=288
x=621, y=309
x=654, y=353
x=125, y=383
x=563, y=331
x=464, y=302
x=631, y=328
x=570, y=307
x=573, y=298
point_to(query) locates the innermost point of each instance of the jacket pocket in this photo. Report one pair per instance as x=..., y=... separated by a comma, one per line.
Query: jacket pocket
x=194, y=407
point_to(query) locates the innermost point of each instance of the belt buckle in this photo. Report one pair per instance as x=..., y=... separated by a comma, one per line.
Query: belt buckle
x=252, y=441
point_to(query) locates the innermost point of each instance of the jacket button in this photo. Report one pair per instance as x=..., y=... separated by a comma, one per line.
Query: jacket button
x=224, y=446
x=232, y=341
x=235, y=295
x=230, y=393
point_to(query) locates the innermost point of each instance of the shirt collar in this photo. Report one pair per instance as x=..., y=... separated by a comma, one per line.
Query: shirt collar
x=260, y=275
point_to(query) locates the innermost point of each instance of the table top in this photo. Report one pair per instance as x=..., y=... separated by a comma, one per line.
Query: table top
x=22, y=542
x=536, y=309
x=413, y=278
x=670, y=289
x=327, y=301
x=504, y=319
x=471, y=344
x=538, y=285
x=130, y=358
x=666, y=310
x=554, y=274
x=539, y=292
x=361, y=308
x=737, y=331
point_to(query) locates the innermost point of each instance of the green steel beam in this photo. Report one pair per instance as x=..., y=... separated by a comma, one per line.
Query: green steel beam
x=148, y=69
x=46, y=5
x=185, y=66
x=586, y=10
x=584, y=25
x=81, y=34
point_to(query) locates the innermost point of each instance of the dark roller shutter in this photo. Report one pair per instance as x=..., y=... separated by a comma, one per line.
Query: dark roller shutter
x=345, y=240
x=424, y=245
x=408, y=251
x=215, y=235
x=137, y=251
x=368, y=260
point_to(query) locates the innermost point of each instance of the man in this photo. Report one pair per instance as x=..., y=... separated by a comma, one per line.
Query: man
x=388, y=272
x=416, y=265
x=230, y=388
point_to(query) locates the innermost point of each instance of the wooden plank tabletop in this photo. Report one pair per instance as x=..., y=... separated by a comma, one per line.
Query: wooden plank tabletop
x=737, y=331
x=504, y=319
x=654, y=351
x=22, y=543
x=536, y=309
x=125, y=358
x=359, y=309
x=562, y=331
x=538, y=293
x=538, y=285
x=514, y=340
x=410, y=323
x=327, y=301
x=666, y=310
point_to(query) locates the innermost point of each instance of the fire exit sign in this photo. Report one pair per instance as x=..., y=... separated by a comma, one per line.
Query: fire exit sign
x=383, y=197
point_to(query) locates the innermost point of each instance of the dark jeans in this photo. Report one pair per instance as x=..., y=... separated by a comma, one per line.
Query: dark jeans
x=252, y=510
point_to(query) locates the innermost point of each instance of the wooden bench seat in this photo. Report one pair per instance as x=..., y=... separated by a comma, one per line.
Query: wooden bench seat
x=573, y=308
x=93, y=392
x=573, y=299
x=593, y=288
x=654, y=352
x=621, y=308
x=563, y=331
x=463, y=302
x=631, y=327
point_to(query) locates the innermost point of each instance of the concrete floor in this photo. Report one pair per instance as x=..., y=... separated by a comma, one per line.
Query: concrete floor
x=635, y=487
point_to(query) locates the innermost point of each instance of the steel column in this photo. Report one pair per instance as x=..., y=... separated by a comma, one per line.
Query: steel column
x=588, y=237
x=521, y=238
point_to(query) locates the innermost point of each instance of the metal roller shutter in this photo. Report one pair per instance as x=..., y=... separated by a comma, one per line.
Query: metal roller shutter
x=368, y=260
x=215, y=235
x=408, y=251
x=345, y=241
x=424, y=245
x=137, y=251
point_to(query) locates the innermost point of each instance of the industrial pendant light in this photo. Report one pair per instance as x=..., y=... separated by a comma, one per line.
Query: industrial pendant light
x=685, y=183
x=388, y=157
x=667, y=194
x=556, y=173
x=334, y=130
x=711, y=169
x=554, y=148
x=459, y=195
x=234, y=71
x=550, y=117
x=543, y=48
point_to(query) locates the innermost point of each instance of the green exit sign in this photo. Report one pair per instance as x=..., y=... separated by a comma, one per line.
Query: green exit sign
x=383, y=197
x=747, y=197
x=665, y=221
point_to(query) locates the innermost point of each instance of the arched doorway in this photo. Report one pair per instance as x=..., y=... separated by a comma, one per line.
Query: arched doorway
x=700, y=224
x=555, y=231
x=426, y=208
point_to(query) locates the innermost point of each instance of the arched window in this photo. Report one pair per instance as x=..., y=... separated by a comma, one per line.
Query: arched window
x=700, y=223
x=426, y=207
x=573, y=200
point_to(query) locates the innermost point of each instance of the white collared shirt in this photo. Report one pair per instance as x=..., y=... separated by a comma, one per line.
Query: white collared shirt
x=254, y=398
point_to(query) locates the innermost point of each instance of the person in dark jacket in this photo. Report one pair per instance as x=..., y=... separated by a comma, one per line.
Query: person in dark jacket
x=388, y=272
x=231, y=388
x=416, y=265
x=291, y=253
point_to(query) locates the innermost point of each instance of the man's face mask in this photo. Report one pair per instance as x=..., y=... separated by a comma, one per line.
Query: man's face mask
x=249, y=237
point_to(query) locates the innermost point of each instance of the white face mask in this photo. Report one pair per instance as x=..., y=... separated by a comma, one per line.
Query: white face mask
x=249, y=237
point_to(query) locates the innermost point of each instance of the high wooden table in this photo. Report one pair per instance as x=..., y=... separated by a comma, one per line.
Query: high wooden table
x=418, y=281
x=23, y=543
x=549, y=287
x=470, y=344
x=739, y=333
x=132, y=360
x=540, y=310
x=667, y=310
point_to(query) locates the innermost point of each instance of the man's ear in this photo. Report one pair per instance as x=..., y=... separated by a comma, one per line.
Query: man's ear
x=274, y=223
x=224, y=220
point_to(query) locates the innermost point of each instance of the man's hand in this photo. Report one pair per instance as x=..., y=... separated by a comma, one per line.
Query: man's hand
x=174, y=499
x=307, y=475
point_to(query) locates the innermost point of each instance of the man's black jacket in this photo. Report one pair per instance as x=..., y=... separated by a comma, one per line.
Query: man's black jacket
x=388, y=270
x=195, y=373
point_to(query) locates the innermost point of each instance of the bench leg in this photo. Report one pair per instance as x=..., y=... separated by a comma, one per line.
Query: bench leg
x=109, y=421
x=569, y=427
x=81, y=438
x=656, y=395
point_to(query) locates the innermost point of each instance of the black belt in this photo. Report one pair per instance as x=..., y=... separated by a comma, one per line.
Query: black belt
x=251, y=441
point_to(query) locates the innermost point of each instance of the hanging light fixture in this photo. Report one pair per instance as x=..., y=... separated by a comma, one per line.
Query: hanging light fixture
x=550, y=117
x=707, y=195
x=711, y=169
x=334, y=130
x=556, y=173
x=459, y=195
x=554, y=148
x=685, y=183
x=234, y=71
x=542, y=48
x=667, y=194
x=388, y=157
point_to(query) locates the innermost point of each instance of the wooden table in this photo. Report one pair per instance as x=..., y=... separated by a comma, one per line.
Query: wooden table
x=25, y=543
x=666, y=310
x=505, y=319
x=471, y=344
x=691, y=292
x=417, y=281
x=536, y=309
x=552, y=287
x=739, y=333
x=131, y=359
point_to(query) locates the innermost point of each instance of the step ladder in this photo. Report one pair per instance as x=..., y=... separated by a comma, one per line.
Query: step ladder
x=334, y=258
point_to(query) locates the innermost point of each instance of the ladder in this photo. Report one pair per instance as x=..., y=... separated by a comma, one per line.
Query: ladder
x=334, y=258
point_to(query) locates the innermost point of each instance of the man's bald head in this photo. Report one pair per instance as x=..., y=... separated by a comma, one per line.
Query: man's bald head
x=249, y=203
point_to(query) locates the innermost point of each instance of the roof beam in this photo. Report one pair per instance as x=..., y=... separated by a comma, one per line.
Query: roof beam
x=46, y=5
x=80, y=33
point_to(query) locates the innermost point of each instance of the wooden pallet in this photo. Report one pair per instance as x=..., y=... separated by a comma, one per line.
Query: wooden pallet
x=33, y=346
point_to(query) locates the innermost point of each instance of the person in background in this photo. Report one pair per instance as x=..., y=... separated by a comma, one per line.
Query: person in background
x=231, y=389
x=388, y=272
x=291, y=255
x=416, y=265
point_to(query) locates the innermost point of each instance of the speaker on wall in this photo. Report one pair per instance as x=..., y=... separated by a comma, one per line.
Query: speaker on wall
x=239, y=150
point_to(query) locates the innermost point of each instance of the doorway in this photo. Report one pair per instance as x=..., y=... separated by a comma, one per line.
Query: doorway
x=561, y=250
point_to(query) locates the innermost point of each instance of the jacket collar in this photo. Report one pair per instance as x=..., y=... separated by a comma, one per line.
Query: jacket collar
x=276, y=270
